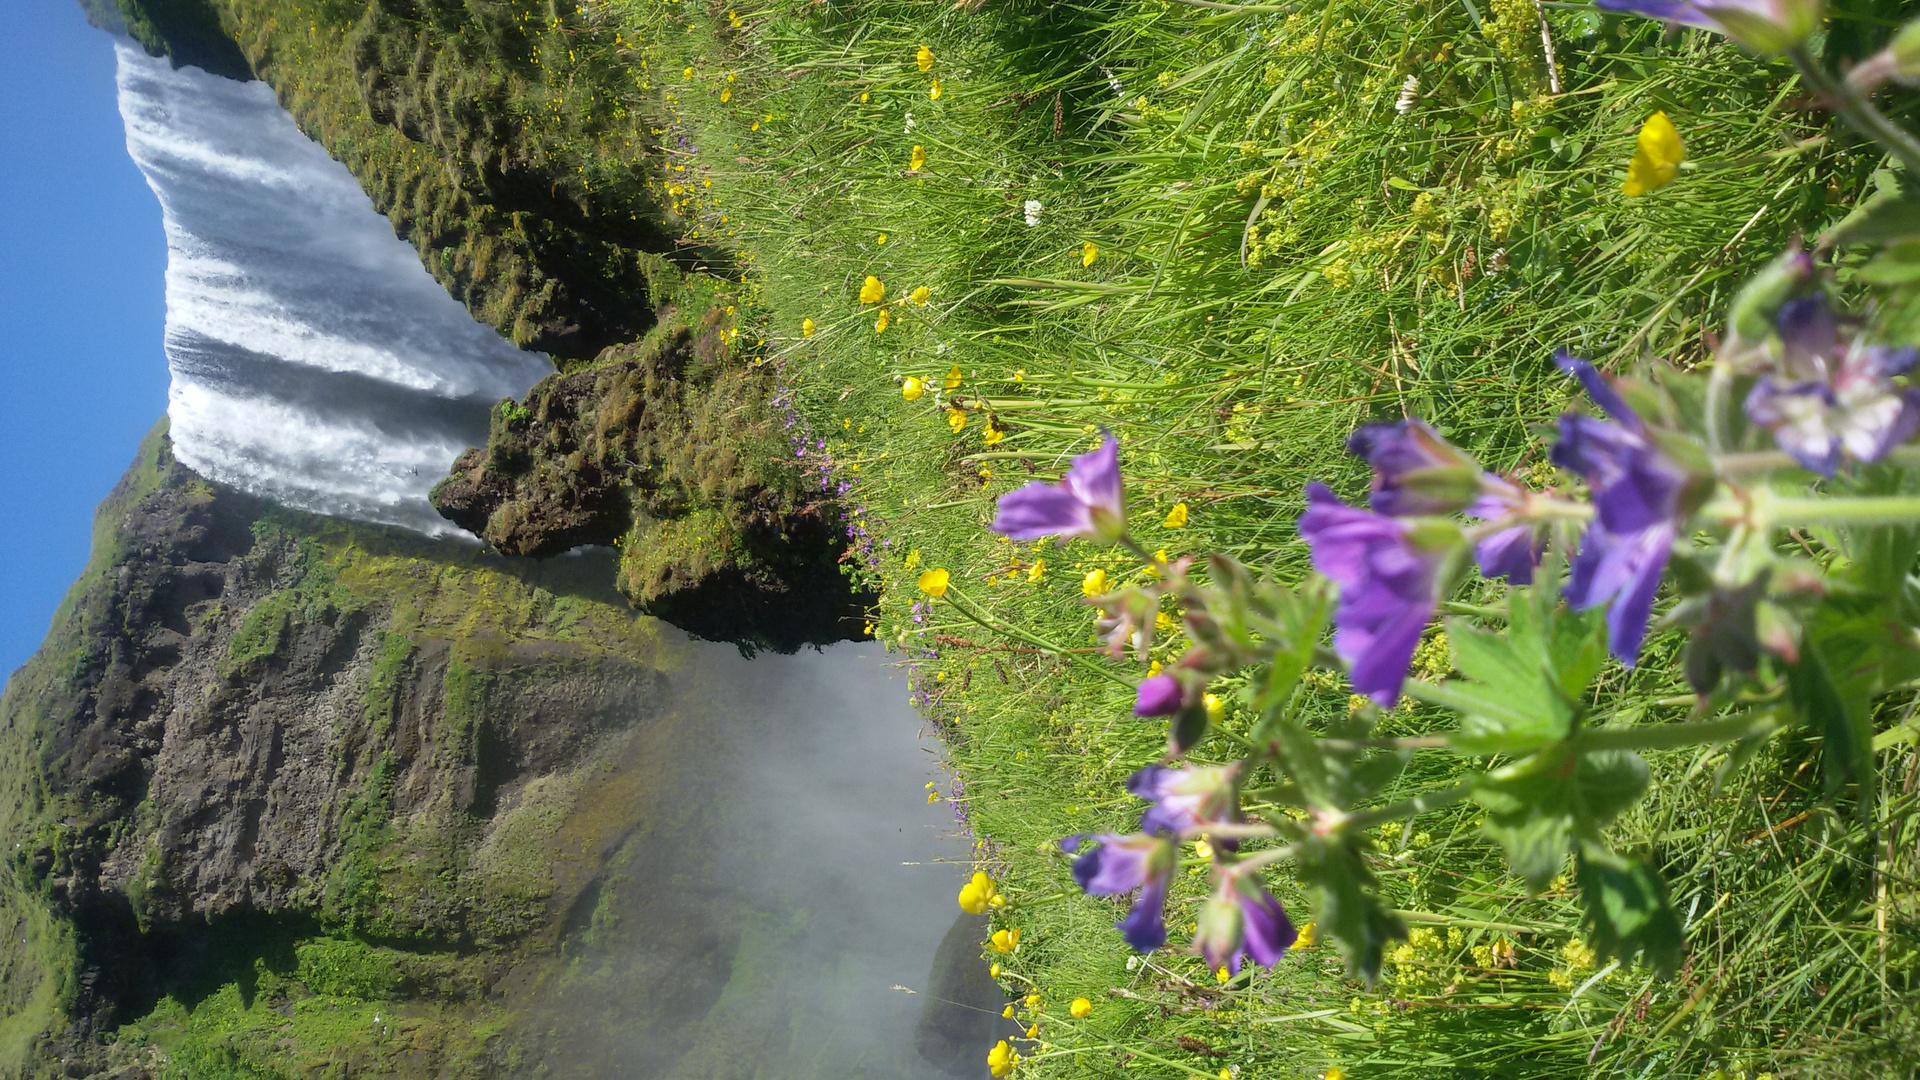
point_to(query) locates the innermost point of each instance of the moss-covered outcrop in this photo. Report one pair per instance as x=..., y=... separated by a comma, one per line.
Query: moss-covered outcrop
x=496, y=135
x=670, y=450
x=333, y=765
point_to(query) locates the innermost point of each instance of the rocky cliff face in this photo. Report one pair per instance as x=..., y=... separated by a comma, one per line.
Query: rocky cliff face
x=249, y=723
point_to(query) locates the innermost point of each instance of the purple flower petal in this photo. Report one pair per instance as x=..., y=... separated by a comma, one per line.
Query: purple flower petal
x=1122, y=864
x=1086, y=501
x=1184, y=799
x=1415, y=470
x=1511, y=553
x=1158, y=695
x=1387, y=589
x=1599, y=389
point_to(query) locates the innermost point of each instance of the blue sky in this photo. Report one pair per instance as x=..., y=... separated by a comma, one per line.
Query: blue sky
x=82, y=305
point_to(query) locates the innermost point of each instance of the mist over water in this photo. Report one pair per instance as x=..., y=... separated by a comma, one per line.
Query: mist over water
x=314, y=361
x=783, y=912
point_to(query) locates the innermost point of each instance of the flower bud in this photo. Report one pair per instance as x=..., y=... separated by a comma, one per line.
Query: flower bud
x=1751, y=317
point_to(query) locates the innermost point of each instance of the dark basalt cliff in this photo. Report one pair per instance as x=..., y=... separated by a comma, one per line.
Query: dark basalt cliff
x=253, y=733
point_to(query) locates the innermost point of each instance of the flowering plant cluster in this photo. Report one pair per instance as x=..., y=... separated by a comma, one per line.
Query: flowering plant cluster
x=1765, y=504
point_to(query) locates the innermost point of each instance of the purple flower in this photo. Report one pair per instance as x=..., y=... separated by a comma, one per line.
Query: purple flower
x=1833, y=396
x=1122, y=864
x=1388, y=588
x=1764, y=25
x=1183, y=799
x=1158, y=695
x=1511, y=552
x=1086, y=501
x=1242, y=919
x=1415, y=470
x=1636, y=502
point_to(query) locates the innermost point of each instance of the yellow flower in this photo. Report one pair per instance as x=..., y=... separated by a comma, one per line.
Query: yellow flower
x=953, y=379
x=1033, y=1030
x=924, y=58
x=932, y=797
x=1153, y=669
x=1222, y=975
x=1007, y=1012
x=1226, y=1074
x=881, y=239
x=913, y=388
x=806, y=328
x=1308, y=935
x=1000, y=1059
x=880, y=323
x=1088, y=253
x=934, y=583
x=1216, y=709
x=1176, y=517
x=920, y=295
x=918, y=159
x=1033, y=1001
x=1038, y=570
x=1336, y=1073
x=934, y=90
x=978, y=894
x=1005, y=941
x=993, y=972
x=913, y=558
x=1657, y=156
x=687, y=74
x=871, y=291
x=1095, y=583
x=957, y=420
x=1080, y=1008
x=994, y=433
x=1203, y=849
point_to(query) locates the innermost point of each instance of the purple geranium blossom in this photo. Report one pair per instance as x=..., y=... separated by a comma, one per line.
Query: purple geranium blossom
x=1242, y=918
x=1415, y=470
x=1158, y=695
x=1122, y=864
x=1636, y=503
x=1388, y=588
x=1511, y=552
x=1183, y=799
x=1765, y=25
x=1086, y=501
x=1834, y=395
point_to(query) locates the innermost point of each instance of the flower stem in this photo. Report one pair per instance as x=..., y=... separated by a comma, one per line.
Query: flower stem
x=1406, y=808
x=965, y=607
x=1768, y=461
x=1669, y=736
x=1857, y=111
x=1859, y=510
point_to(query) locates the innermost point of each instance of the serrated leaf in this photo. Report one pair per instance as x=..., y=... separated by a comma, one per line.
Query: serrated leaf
x=1838, y=713
x=1535, y=807
x=1521, y=690
x=1626, y=910
x=1347, y=903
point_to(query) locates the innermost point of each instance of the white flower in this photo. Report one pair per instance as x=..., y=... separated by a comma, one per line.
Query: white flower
x=1033, y=209
x=1409, y=93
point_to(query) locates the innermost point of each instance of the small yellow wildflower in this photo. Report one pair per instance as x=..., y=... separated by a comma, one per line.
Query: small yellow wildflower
x=1033, y=1001
x=934, y=90
x=1335, y=1073
x=881, y=239
x=913, y=387
x=924, y=58
x=687, y=74
x=934, y=583
x=993, y=434
x=806, y=327
x=1005, y=941
x=1095, y=583
x=932, y=797
x=957, y=420
x=993, y=972
x=880, y=323
x=1216, y=709
x=918, y=159
x=1308, y=934
x=1226, y=1074
x=1000, y=1059
x=920, y=295
x=871, y=291
x=1038, y=570
x=865, y=97
x=953, y=379
x=1088, y=252
x=1176, y=517
x=1019, y=375
x=1203, y=849
x=1033, y=1031
x=913, y=558
x=1007, y=1012
x=1080, y=1008
x=978, y=892
x=1222, y=975
x=1657, y=156
x=1153, y=669
x=726, y=95
x=733, y=19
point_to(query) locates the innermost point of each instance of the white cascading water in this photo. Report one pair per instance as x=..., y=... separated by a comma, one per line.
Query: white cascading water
x=315, y=362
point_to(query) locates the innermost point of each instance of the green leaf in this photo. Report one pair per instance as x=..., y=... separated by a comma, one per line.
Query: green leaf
x=1887, y=218
x=1521, y=689
x=1627, y=913
x=1838, y=712
x=1535, y=807
x=1347, y=902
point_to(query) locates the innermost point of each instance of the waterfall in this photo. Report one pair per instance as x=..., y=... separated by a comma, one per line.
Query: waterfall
x=315, y=362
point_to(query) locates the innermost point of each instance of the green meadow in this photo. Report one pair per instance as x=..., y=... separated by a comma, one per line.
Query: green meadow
x=1229, y=234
